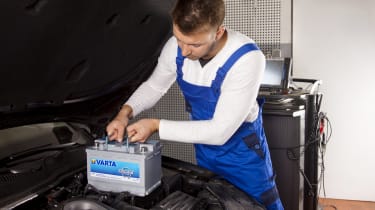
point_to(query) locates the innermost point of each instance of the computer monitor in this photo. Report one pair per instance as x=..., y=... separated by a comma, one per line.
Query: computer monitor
x=276, y=75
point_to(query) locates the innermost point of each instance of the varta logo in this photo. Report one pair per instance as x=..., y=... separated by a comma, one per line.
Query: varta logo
x=103, y=162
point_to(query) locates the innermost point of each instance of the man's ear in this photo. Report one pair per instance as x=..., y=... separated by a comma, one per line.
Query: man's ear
x=220, y=31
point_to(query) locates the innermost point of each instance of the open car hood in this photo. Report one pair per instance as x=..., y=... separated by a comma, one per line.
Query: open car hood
x=76, y=60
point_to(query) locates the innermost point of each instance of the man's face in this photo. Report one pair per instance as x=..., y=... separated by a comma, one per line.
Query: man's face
x=196, y=45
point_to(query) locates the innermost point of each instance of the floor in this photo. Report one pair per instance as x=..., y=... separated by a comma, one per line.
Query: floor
x=333, y=204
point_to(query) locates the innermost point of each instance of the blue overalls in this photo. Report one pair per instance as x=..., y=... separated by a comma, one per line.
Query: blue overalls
x=244, y=160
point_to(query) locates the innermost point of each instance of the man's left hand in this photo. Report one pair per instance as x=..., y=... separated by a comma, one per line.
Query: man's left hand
x=142, y=129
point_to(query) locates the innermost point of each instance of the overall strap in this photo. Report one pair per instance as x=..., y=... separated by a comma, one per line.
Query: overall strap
x=222, y=72
x=179, y=63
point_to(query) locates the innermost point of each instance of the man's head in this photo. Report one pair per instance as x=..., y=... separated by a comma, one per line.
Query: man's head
x=197, y=25
x=195, y=15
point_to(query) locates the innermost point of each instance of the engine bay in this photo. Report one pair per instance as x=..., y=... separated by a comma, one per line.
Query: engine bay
x=185, y=187
x=50, y=171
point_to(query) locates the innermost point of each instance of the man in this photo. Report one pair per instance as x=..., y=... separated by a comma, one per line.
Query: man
x=219, y=73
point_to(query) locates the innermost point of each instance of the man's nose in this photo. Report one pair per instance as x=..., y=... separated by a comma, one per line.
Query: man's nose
x=185, y=50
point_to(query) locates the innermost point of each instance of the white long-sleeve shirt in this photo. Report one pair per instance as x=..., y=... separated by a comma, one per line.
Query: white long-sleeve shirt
x=237, y=102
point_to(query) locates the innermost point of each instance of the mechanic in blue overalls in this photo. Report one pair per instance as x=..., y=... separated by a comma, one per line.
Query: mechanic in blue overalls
x=219, y=73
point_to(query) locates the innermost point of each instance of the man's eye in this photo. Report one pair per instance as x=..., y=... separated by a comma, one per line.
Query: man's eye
x=196, y=45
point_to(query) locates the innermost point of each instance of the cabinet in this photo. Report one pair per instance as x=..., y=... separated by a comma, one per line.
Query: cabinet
x=290, y=126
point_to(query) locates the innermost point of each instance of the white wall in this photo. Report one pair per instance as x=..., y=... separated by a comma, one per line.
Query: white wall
x=334, y=40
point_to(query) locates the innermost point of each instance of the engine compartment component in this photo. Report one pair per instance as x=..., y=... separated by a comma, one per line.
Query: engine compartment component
x=134, y=168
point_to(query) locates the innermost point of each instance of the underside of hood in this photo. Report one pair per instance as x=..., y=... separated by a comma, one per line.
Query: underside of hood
x=78, y=60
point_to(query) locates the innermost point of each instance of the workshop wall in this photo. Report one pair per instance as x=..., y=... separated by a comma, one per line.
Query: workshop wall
x=335, y=41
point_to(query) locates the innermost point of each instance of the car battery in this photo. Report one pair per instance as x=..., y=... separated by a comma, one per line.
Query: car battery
x=133, y=168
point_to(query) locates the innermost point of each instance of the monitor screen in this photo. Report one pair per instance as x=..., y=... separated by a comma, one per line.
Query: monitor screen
x=276, y=75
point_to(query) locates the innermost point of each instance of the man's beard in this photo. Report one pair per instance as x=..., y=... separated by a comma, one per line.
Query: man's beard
x=207, y=56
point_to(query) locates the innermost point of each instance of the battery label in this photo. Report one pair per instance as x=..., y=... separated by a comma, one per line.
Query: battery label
x=112, y=169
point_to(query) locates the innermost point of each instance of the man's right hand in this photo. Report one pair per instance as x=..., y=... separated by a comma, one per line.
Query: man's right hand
x=116, y=128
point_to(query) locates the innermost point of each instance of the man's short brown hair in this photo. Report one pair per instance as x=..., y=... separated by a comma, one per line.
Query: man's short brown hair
x=195, y=15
